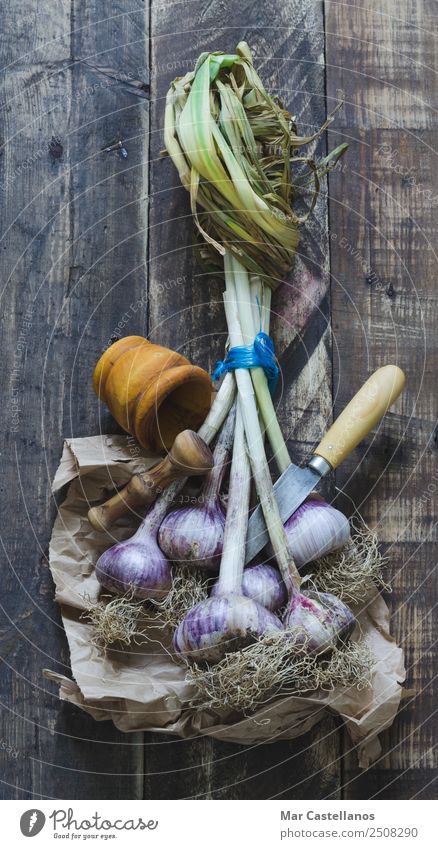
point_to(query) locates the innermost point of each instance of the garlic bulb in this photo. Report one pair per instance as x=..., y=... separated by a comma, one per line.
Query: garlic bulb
x=315, y=620
x=264, y=584
x=222, y=624
x=315, y=529
x=194, y=536
x=319, y=620
x=137, y=565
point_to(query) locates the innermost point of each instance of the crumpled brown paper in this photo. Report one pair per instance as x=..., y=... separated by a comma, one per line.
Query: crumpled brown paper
x=145, y=689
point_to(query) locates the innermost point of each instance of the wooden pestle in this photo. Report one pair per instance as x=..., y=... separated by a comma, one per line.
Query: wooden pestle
x=189, y=455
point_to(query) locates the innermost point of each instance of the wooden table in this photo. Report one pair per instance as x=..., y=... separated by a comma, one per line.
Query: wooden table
x=86, y=235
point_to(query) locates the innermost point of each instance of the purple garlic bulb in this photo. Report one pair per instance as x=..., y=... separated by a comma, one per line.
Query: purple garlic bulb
x=194, y=536
x=315, y=529
x=137, y=565
x=139, y=568
x=264, y=584
x=220, y=625
x=320, y=620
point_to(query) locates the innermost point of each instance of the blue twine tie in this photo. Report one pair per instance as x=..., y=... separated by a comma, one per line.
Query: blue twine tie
x=260, y=354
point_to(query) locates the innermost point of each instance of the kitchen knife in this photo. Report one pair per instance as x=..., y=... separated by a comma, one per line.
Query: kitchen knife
x=354, y=423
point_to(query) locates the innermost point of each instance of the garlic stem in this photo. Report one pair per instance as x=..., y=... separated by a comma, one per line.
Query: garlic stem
x=254, y=439
x=221, y=451
x=261, y=303
x=264, y=399
x=236, y=524
x=219, y=409
x=157, y=512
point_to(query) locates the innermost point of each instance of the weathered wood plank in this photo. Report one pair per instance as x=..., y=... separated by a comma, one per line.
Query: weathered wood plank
x=383, y=57
x=72, y=260
x=73, y=263
x=207, y=769
x=186, y=312
x=384, y=309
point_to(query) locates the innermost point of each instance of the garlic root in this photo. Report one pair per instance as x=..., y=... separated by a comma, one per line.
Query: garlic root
x=246, y=679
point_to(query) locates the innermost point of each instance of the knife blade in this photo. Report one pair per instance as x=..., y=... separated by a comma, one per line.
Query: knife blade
x=359, y=417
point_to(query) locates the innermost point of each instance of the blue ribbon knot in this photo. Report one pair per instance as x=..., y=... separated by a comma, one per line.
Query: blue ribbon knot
x=260, y=354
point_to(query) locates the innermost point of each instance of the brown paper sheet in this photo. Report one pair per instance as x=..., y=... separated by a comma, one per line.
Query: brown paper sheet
x=145, y=689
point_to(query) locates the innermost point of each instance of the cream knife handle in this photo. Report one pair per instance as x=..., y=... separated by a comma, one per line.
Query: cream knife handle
x=360, y=415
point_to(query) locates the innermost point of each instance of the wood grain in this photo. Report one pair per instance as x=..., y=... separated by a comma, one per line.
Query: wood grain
x=93, y=246
x=383, y=57
x=72, y=258
x=384, y=309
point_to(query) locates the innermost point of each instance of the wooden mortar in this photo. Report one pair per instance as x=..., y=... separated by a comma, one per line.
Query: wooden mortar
x=152, y=392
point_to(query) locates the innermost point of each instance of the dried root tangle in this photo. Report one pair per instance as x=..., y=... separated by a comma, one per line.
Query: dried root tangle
x=120, y=620
x=273, y=666
x=115, y=620
x=189, y=586
x=353, y=572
